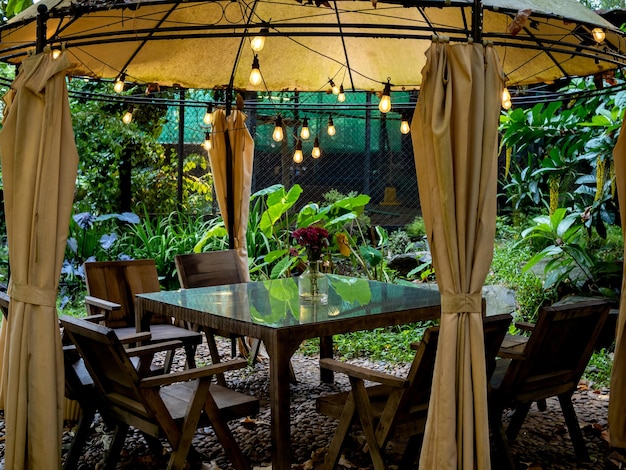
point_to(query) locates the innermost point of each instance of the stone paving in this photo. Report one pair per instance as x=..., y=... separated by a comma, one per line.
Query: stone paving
x=543, y=442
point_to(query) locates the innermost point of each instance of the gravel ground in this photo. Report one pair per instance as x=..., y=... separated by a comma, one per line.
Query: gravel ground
x=543, y=442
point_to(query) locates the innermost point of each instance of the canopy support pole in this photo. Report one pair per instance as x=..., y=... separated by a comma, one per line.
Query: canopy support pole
x=181, y=150
x=42, y=29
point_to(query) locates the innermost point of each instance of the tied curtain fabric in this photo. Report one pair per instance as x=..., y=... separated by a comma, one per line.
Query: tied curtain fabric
x=242, y=146
x=455, y=141
x=617, y=403
x=39, y=165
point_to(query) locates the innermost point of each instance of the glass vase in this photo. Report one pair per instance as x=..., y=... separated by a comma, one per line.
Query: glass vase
x=313, y=284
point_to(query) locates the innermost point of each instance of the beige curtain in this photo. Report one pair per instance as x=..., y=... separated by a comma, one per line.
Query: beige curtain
x=454, y=132
x=617, y=403
x=242, y=146
x=39, y=164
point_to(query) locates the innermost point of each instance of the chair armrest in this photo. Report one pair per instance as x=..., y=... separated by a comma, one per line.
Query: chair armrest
x=95, y=302
x=138, y=338
x=192, y=374
x=414, y=345
x=150, y=349
x=525, y=326
x=96, y=318
x=363, y=373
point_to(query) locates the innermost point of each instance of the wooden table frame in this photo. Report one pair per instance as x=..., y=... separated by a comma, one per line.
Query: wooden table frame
x=388, y=305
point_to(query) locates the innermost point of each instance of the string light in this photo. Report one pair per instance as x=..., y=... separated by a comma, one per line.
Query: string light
x=56, y=53
x=255, y=73
x=297, y=155
x=278, y=134
x=258, y=42
x=331, y=126
x=207, y=142
x=304, y=132
x=128, y=117
x=119, y=83
x=506, y=99
x=598, y=35
x=316, y=149
x=385, y=100
x=208, y=116
x=341, y=97
x=333, y=87
x=405, y=128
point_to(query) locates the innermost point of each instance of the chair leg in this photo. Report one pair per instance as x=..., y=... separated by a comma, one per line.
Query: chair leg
x=503, y=458
x=411, y=451
x=518, y=418
x=367, y=421
x=112, y=455
x=215, y=355
x=82, y=431
x=336, y=445
x=225, y=435
x=190, y=356
x=574, y=428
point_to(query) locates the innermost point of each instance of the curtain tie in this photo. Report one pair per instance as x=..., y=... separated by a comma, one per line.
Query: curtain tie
x=461, y=303
x=32, y=295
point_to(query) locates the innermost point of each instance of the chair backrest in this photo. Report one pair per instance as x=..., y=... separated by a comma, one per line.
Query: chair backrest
x=108, y=364
x=119, y=282
x=495, y=328
x=558, y=349
x=212, y=268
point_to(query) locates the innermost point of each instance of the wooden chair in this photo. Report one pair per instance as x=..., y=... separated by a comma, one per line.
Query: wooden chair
x=170, y=406
x=551, y=363
x=112, y=286
x=213, y=268
x=395, y=406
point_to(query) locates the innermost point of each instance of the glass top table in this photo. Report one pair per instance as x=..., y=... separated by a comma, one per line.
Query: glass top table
x=273, y=312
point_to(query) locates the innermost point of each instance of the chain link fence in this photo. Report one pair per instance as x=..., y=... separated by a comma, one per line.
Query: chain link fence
x=368, y=153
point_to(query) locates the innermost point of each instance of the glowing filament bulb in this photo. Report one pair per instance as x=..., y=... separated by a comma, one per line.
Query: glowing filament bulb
x=208, y=116
x=128, y=117
x=331, y=126
x=341, y=97
x=304, y=132
x=297, y=155
x=278, y=134
x=316, y=149
x=207, y=142
x=333, y=87
x=385, y=100
x=598, y=34
x=506, y=99
x=258, y=42
x=119, y=84
x=255, y=73
x=56, y=53
x=405, y=128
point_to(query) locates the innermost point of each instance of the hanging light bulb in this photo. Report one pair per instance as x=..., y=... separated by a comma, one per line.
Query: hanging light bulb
x=316, y=149
x=341, y=97
x=56, y=53
x=258, y=42
x=297, y=155
x=405, y=128
x=385, y=100
x=128, y=117
x=119, y=83
x=255, y=73
x=333, y=87
x=207, y=142
x=598, y=35
x=506, y=99
x=278, y=135
x=331, y=126
x=208, y=116
x=304, y=132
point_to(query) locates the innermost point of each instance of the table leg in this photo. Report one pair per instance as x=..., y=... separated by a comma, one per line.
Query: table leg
x=326, y=351
x=280, y=353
